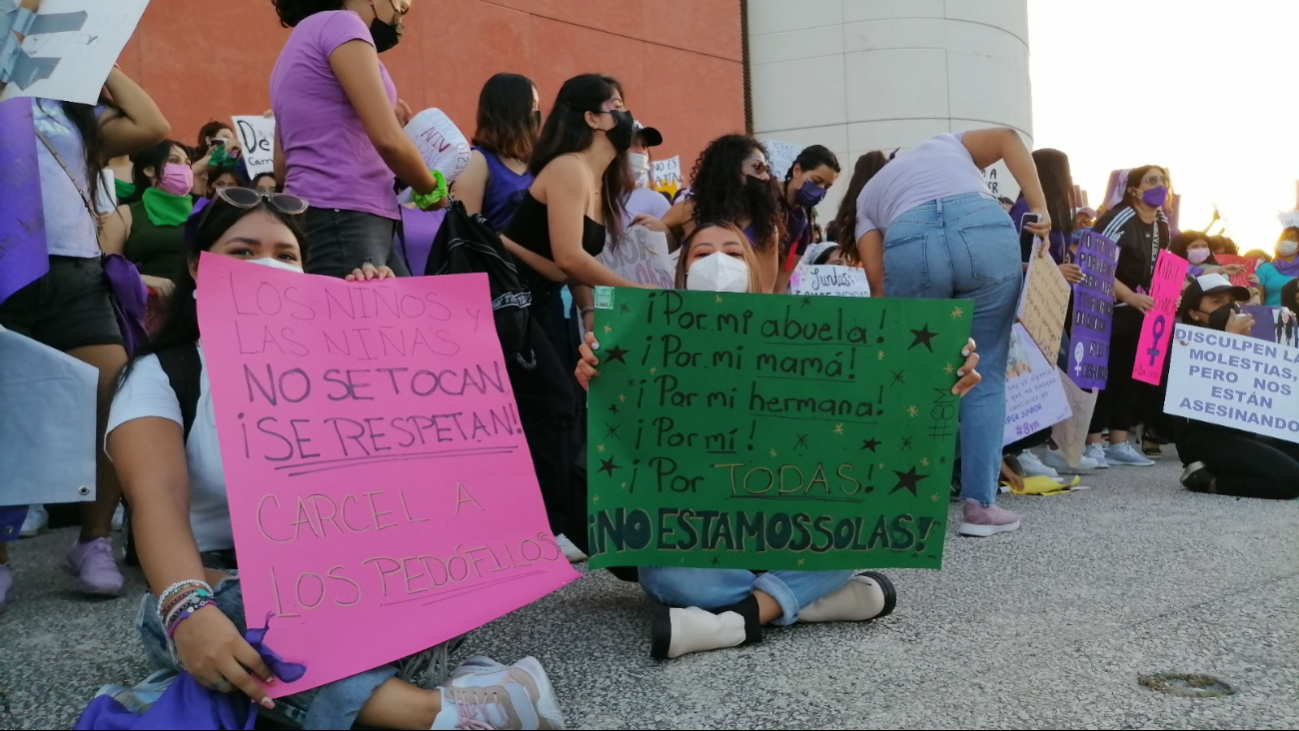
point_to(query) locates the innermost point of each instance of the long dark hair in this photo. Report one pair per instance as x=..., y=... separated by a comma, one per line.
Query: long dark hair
x=180, y=323
x=1185, y=239
x=151, y=157
x=506, y=124
x=1135, y=176
x=1288, y=294
x=1057, y=187
x=566, y=131
x=718, y=189
x=843, y=229
x=83, y=119
x=292, y=12
x=209, y=130
x=812, y=158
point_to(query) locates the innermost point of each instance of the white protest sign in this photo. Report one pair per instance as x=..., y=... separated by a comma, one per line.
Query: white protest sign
x=257, y=137
x=781, y=156
x=1235, y=381
x=667, y=175
x=642, y=257
x=1289, y=220
x=1035, y=398
x=829, y=279
x=71, y=47
x=442, y=145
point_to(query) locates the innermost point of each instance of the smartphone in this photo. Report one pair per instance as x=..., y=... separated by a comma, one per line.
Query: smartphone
x=219, y=142
x=1026, y=236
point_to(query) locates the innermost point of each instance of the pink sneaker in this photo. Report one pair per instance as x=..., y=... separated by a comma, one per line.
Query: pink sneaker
x=94, y=568
x=983, y=522
x=6, y=583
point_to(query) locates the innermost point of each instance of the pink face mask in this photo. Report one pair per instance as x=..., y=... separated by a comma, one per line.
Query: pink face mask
x=1197, y=256
x=176, y=179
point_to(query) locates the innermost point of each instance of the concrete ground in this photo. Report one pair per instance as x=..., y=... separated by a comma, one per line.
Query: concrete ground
x=1047, y=627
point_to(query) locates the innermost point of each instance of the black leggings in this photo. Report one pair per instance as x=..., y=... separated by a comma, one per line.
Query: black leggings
x=1118, y=404
x=1244, y=465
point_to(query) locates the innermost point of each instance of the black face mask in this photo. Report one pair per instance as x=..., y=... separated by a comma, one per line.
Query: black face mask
x=756, y=187
x=623, y=132
x=386, y=36
x=1219, y=317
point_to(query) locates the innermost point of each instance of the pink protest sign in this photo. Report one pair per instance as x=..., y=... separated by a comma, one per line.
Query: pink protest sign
x=1157, y=328
x=1239, y=280
x=381, y=491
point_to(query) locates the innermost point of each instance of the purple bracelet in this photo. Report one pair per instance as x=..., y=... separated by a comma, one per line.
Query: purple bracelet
x=184, y=615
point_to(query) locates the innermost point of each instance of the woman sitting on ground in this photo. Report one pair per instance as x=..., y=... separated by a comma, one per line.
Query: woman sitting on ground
x=177, y=489
x=1219, y=459
x=696, y=609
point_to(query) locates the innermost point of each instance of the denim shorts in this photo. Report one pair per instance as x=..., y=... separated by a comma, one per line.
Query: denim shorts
x=66, y=309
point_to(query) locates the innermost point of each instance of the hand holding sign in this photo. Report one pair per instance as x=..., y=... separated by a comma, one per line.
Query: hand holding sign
x=257, y=136
x=1152, y=348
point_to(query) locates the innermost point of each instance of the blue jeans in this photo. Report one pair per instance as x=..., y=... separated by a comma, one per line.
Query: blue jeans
x=965, y=247
x=330, y=706
x=713, y=589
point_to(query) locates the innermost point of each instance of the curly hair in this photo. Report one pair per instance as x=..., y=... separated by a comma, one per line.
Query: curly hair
x=718, y=189
x=292, y=12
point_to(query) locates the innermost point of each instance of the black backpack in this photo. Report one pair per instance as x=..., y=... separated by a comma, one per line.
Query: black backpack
x=467, y=245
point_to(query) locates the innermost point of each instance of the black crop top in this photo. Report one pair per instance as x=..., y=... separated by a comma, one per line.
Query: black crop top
x=530, y=229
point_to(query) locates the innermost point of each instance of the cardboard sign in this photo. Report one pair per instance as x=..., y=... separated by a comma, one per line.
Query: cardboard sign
x=1235, y=381
x=1044, y=304
x=381, y=490
x=641, y=257
x=24, y=256
x=257, y=137
x=830, y=280
x=667, y=175
x=1157, y=326
x=71, y=47
x=1035, y=399
x=1239, y=280
x=1273, y=324
x=1093, y=309
x=781, y=157
x=772, y=432
x=1070, y=435
x=441, y=144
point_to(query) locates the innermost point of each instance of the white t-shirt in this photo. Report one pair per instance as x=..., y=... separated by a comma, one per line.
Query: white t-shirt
x=939, y=167
x=643, y=201
x=147, y=393
x=69, y=229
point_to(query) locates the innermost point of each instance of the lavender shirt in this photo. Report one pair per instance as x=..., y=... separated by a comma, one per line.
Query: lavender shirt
x=331, y=161
x=937, y=168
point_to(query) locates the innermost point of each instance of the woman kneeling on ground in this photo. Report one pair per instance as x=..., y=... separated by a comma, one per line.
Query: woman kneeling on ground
x=176, y=486
x=698, y=609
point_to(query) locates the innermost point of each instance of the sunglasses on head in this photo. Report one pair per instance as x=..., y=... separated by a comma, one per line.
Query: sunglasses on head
x=246, y=198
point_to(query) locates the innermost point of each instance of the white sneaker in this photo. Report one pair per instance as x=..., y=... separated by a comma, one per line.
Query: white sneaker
x=1053, y=458
x=119, y=517
x=1033, y=466
x=1126, y=456
x=571, y=552
x=37, y=520
x=483, y=694
x=1096, y=452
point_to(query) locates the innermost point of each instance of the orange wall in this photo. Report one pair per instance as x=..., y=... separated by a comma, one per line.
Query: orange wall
x=678, y=60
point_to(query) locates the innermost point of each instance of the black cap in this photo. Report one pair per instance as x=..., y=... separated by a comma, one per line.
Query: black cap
x=649, y=135
x=1207, y=284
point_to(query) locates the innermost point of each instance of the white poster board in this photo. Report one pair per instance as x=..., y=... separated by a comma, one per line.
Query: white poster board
x=829, y=279
x=71, y=48
x=781, y=156
x=1035, y=398
x=642, y=257
x=442, y=145
x=667, y=175
x=257, y=137
x=1235, y=381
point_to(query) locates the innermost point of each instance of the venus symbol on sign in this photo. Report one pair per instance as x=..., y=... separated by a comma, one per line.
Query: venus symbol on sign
x=1157, y=329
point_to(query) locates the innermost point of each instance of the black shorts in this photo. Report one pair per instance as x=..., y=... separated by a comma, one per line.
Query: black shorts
x=66, y=309
x=341, y=241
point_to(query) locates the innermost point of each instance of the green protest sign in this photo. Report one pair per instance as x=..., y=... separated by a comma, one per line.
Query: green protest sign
x=772, y=432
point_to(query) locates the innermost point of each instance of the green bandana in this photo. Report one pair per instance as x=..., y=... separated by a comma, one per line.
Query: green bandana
x=165, y=209
x=124, y=189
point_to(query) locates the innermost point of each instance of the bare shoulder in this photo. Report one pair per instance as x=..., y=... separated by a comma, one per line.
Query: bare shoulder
x=566, y=175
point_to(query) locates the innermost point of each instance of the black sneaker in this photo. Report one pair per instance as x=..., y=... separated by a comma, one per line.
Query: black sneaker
x=1197, y=478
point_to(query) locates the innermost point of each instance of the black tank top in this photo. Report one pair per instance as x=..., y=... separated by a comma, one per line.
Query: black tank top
x=530, y=228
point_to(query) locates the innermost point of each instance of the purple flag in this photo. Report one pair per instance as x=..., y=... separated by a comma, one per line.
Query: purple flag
x=1093, y=310
x=23, y=255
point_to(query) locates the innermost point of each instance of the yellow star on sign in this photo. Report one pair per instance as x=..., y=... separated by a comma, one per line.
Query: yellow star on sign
x=622, y=398
x=624, y=486
x=838, y=428
x=595, y=498
x=934, y=498
x=881, y=465
x=924, y=461
x=801, y=561
x=958, y=313
x=913, y=411
x=773, y=453
x=949, y=369
x=607, y=329
x=719, y=299
x=600, y=448
x=880, y=356
x=653, y=371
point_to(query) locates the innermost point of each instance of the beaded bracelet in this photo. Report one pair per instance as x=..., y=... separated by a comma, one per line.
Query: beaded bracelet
x=189, y=596
x=176, y=589
x=189, y=602
x=185, y=614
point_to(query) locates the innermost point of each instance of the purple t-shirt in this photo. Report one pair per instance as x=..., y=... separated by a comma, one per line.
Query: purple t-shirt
x=940, y=167
x=331, y=161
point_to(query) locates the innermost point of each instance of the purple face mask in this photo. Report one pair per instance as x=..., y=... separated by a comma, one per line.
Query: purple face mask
x=809, y=194
x=1155, y=197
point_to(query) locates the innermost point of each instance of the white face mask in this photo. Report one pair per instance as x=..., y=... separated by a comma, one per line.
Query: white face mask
x=283, y=266
x=1287, y=248
x=639, y=161
x=718, y=272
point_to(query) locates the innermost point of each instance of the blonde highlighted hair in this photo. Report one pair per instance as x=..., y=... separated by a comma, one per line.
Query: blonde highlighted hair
x=750, y=256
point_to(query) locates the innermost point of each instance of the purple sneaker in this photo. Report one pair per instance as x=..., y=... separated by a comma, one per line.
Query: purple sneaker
x=94, y=568
x=6, y=583
x=982, y=522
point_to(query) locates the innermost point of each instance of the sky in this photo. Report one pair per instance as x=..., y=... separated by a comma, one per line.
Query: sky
x=1203, y=87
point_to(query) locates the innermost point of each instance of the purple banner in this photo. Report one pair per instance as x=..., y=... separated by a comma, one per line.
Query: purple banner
x=23, y=256
x=1093, y=309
